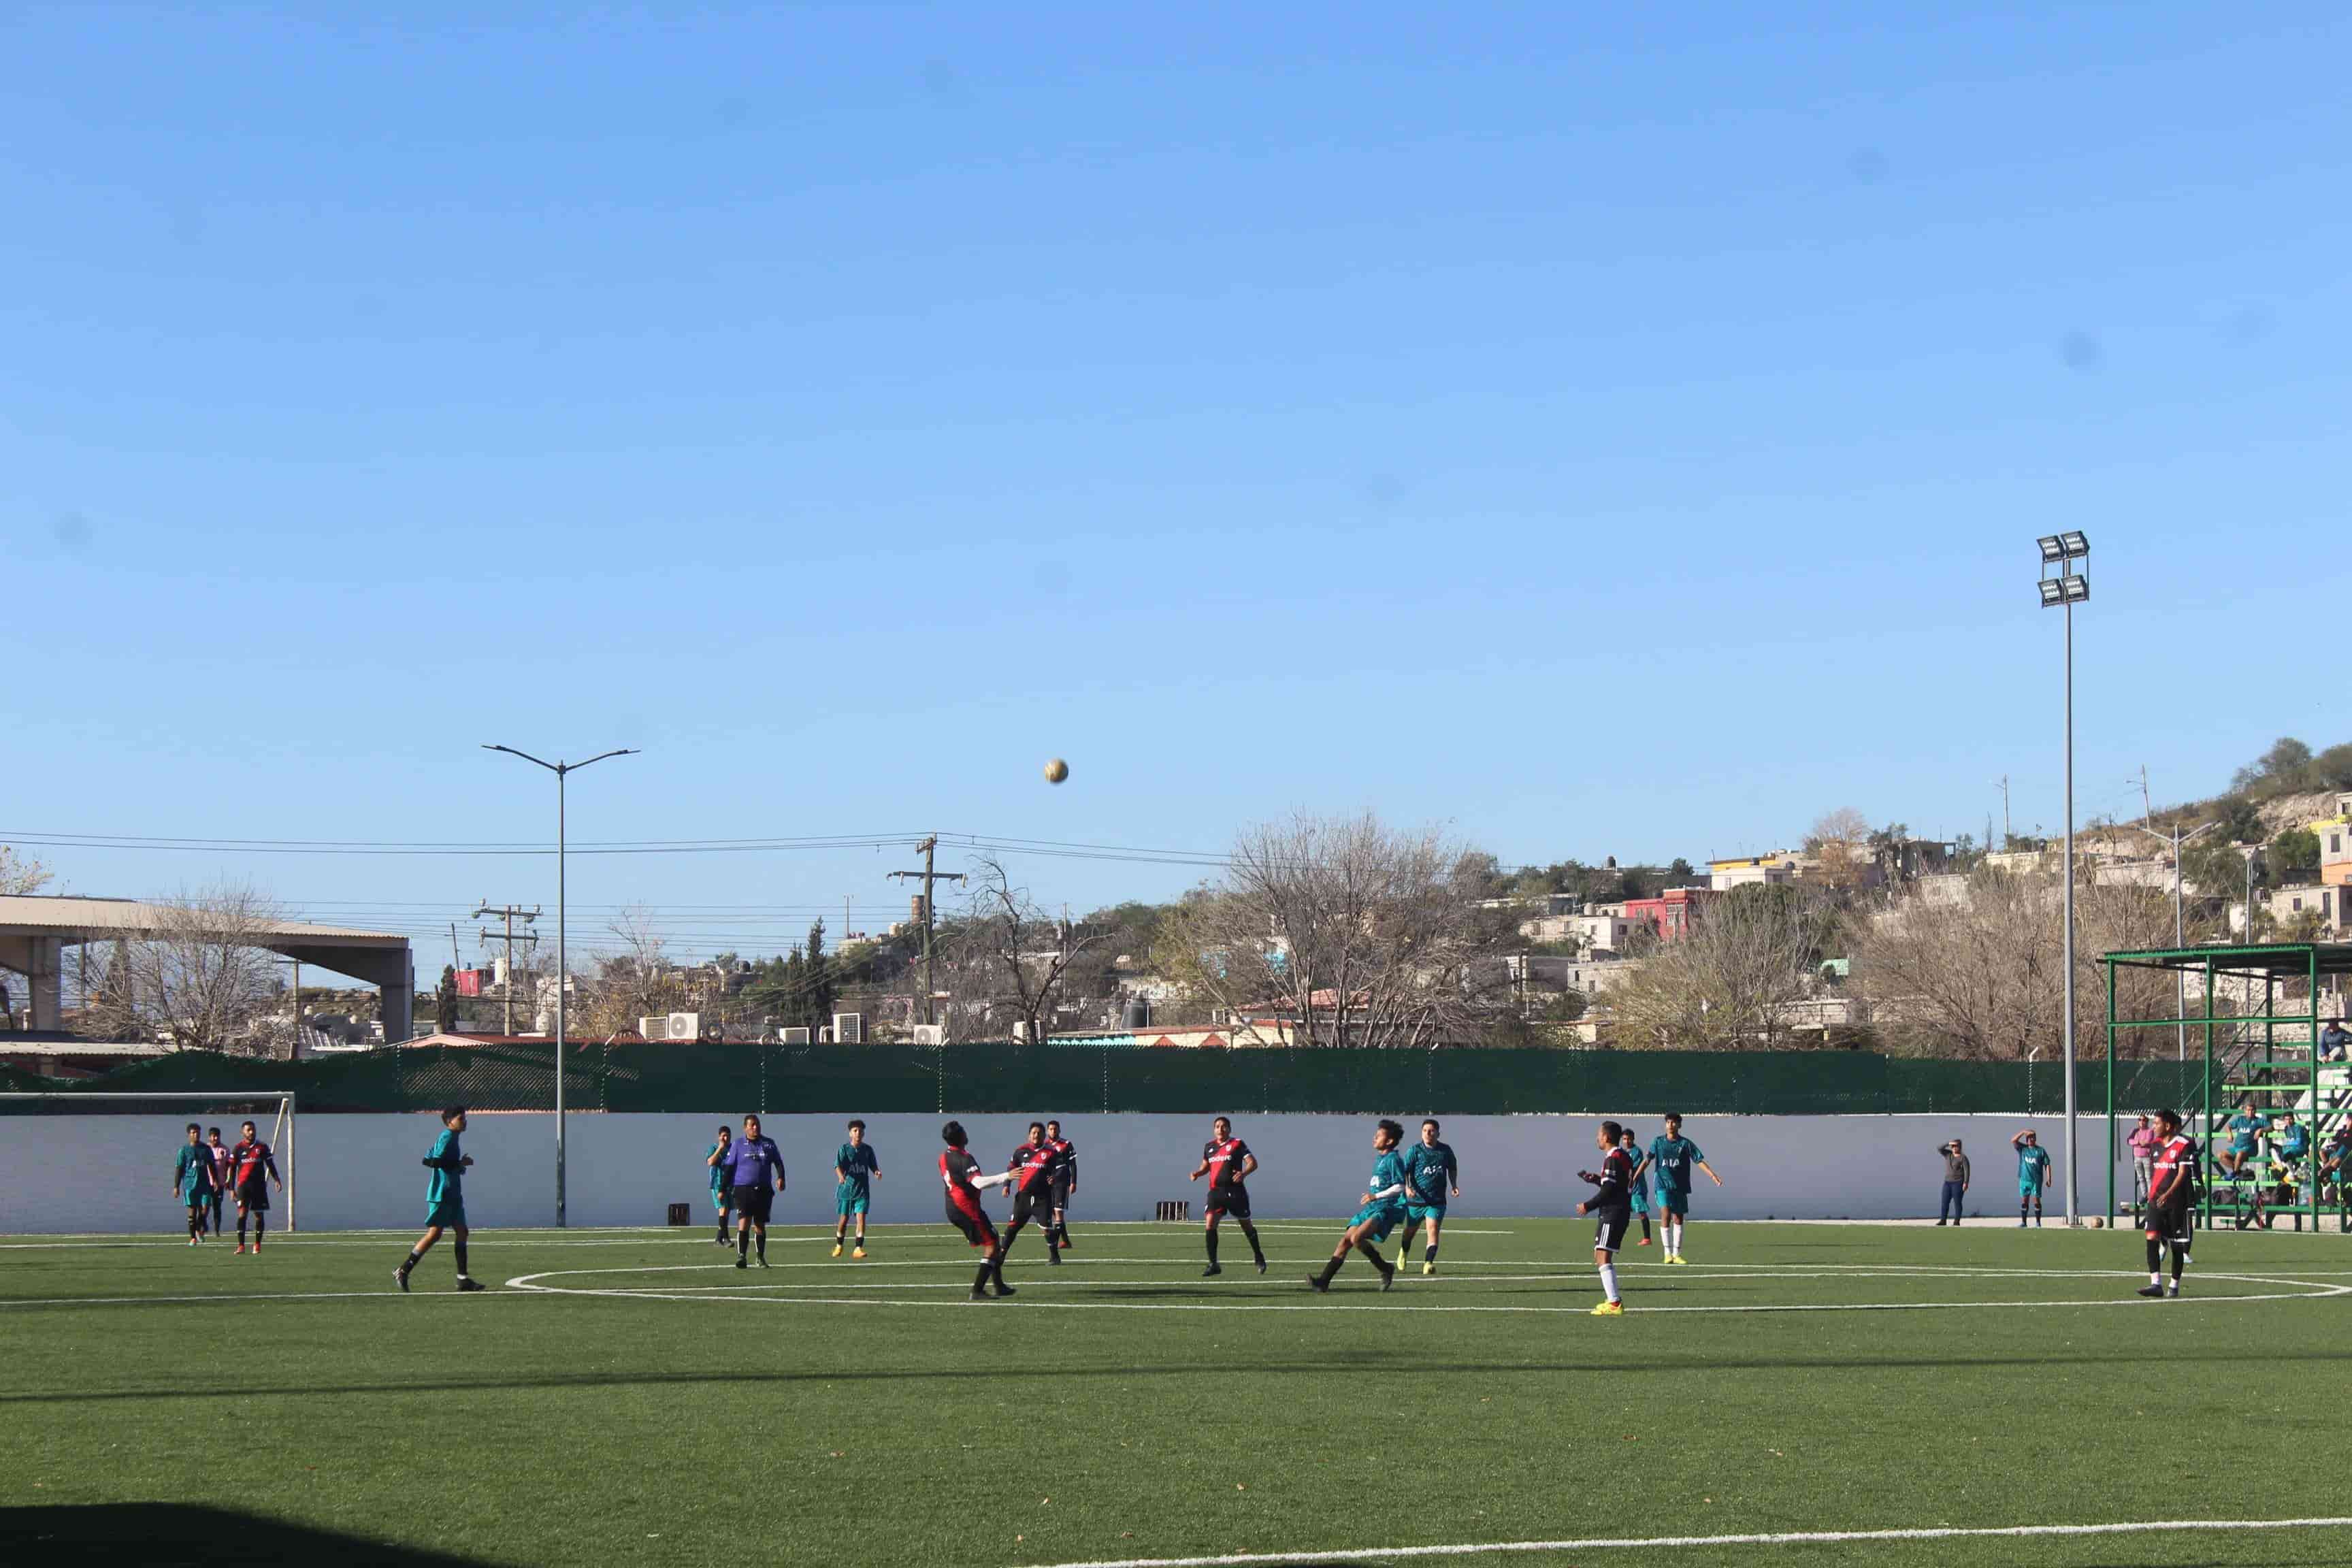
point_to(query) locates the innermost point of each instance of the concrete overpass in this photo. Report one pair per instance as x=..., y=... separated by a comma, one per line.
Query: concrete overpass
x=36, y=928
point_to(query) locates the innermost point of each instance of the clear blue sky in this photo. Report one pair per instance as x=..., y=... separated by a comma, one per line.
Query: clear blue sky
x=1602, y=436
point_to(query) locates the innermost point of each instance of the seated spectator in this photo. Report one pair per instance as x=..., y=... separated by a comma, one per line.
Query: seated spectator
x=2245, y=1130
x=2334, y=1042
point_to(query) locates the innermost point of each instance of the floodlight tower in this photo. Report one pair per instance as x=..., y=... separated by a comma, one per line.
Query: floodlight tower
x=2066, y=589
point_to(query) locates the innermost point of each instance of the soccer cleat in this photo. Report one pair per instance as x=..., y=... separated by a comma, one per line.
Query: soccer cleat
x=1388, y=1279
x=1003, y=1289
x=1053, y=1258
x=465, y=1285
x=763, y=1260
x=192, y=1241
x=1211, y=1272
x=1427, y=1270
x=859, y=1251
x=1066, y=1241
x=2176, y=1289
x=1261, y=1266
x=741, y=1261
x=1610, y=1310
x=977, y=1294
x=400, y=1277
x=836, y=1249
x=2150, y=1292
x=1316, y=1283
x=1644, y=1242
x=240, y=1249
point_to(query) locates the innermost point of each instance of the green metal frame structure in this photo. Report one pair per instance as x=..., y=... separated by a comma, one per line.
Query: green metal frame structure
x=2319, y=1095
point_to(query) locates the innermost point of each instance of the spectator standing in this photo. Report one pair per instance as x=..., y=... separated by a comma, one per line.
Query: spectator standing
x=1956, y=1182
x=2143, y=1157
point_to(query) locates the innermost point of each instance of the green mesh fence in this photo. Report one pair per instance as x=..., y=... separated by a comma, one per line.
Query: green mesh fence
x=1002, y=1079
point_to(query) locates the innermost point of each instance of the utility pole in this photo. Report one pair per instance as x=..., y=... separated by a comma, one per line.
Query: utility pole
x=2147, y=807
x=510, y=914
x=2006, y=835
x=927, y=848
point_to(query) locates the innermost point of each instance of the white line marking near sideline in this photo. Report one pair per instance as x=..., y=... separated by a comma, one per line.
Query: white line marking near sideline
x=1790, y=1537
x=385, y=1294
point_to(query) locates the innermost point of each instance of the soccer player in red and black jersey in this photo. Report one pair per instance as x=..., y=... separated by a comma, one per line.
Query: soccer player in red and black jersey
x=1065, y=1180
x=1032, y=1169
x=1227, y=1161
x=961, y=1172
x=1613, y=1207
x=2171, y=1182
x=250, y=1162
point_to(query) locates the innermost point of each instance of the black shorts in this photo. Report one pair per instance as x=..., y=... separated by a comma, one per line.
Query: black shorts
x=752, y=1203
x=975, y=1226
x=2168, y=1222
x=1609, y=1229
x=253, y=1196
x=1060, y=1190
x=1233, y=1200
x=1033, y=1205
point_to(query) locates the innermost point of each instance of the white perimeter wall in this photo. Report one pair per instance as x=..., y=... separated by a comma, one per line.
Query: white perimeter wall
x=113, y=1173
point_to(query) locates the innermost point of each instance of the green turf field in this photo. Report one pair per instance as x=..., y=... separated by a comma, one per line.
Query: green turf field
x=628, y=1396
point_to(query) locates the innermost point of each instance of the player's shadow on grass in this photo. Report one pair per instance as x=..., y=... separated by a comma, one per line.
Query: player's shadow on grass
x=176, y=1535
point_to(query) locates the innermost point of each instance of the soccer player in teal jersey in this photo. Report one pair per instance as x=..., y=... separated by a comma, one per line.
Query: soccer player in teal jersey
x=1431, y=1176
x=854, y=1165
x=2033, y=1176
x=445, y=1201
x=722, y=1196
x=1669, y=1164
x=192, y=1181
x=1382, y=1211
x=1641, y=1184
x=2245, y=1130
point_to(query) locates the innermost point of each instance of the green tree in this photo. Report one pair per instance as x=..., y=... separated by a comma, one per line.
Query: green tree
x=2295, y=855
x=445, y=1004
x=817, y=980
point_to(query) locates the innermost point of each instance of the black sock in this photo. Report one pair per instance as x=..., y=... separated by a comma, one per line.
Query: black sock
x=2154, y=1256
x=409, y=1262
x=996, y=1266
x=1249, y=1234
x=260, y=1223
x=979, y=1280
x=760, y=1239
x=1332, y=1266
x=240, y=1230
x=1372, y=1252
x=743, y=1242
x=460, y=1244
x=1212, y=1236
x=1645, y=1227
x=1429, y=1254
x=2180, y=1261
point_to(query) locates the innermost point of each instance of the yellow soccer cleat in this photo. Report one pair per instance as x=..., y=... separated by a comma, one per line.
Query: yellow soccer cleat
x=1428, y=1269
x=859, y=1251
x=836, y=1249
x=1678, y=1258
x=1610, y=1310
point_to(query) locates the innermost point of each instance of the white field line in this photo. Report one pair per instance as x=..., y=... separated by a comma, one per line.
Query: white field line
x=1657, y=1542
x=239, y=1297
x=529, y=1282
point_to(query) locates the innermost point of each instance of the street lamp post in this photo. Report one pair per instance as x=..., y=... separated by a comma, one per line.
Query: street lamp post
x=2180, y=925
x=2065, y=591
x=562, y=967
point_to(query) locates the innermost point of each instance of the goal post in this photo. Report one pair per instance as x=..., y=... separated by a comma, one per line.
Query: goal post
x=279, y=1108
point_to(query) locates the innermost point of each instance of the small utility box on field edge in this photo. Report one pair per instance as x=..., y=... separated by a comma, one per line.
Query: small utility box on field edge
x=681, y=1214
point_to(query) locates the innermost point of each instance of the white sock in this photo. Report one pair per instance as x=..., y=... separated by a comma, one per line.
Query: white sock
x=2155, y=1277
x=1608, y=1280
x=1675, y=1239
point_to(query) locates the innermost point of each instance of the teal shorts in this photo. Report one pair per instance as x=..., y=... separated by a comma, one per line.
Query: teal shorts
x=1673, y=1203
x=718, y=1199
x=446, y=1213
x=1414, y=1214
x=1381, y=1217
x=1641, y=1200
x=850, y=1198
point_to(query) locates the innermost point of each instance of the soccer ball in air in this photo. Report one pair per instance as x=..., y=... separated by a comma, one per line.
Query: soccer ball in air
x=1056, y=771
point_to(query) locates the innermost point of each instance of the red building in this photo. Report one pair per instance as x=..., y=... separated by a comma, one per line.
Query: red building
x=1671, y=913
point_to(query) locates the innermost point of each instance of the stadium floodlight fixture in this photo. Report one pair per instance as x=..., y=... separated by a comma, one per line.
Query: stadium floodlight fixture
x=2076, y=544
x=2053, y=547
x=2073, y=588
x=2049, y=593
x=2063, y=591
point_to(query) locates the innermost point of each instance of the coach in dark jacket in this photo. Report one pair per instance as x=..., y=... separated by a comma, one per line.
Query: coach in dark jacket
x=1956, y=1182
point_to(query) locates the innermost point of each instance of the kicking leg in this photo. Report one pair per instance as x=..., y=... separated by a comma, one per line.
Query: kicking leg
x=408, y=1264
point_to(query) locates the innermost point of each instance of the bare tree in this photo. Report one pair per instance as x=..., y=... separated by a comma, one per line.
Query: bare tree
x=1737, y=980
x=1349, y=934
x=1981, y=974
x=19, y=875
x=1840, y=843
x=633, y=981
x=199, y=978
x=1009, y=962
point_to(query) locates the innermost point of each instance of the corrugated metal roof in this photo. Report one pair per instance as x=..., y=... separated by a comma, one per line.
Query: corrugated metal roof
x=130, y=917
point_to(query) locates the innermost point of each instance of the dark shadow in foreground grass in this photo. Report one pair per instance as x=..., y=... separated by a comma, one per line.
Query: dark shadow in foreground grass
x=174, y=1535
x=1402, y=1362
